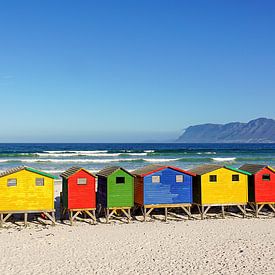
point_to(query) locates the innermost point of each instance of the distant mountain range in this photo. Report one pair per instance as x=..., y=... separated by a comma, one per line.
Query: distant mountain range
x=261, y=130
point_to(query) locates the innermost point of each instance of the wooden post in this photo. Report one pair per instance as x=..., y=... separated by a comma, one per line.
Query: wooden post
x=144, y=214
x=71, y=217
x=166, y=213
x=257, y=210
x=189, y=209
x=25, y=219
x=1, y=220
x=107, y=215
x=129, y=213
x=202, y=212
x=53, y=215
x=223, y=214
x=94, y=221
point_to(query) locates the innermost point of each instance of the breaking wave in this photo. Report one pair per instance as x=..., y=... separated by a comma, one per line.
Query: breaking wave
x=224, y=159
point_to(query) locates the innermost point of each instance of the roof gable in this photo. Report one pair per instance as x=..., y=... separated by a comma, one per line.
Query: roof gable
x=110, y=170
x=204, y=169
x=207, y=168
x=30, y=169
x=255, y=168
x=150, y=169
x=73, y=170
x=238, y=170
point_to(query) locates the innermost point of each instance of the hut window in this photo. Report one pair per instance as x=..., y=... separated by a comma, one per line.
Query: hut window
x=213, y=178
x=155, y=179
x=39, y=181
x=120, y=180
x=235, y=178
x=12, y=182
x=81, y=181
x=266, y=177
x=179, y=178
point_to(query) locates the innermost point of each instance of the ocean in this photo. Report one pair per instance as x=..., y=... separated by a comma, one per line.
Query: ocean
x=56, y=158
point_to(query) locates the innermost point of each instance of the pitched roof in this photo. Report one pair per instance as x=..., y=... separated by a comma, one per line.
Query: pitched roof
x=207, y=168
x=255, y=168
x=71, y=171
x=149, y=169
x=110, y=170
x=20, y=168
x=237, y=170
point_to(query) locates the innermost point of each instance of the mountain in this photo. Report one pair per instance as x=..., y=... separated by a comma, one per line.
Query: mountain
x=261, y=130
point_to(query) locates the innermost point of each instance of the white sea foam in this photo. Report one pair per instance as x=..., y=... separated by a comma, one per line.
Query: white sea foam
x=87, y=153
x=136, y=154
x=224, y=159
x=149, y=151
x=76, y=152
x=76, y=160
x=206, y=153
x=161, y=160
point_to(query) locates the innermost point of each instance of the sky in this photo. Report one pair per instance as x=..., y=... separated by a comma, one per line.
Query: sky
x=132, y=71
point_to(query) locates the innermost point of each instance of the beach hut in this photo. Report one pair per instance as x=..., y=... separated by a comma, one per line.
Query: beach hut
x=159, y=186
x=26, y=190
x=222, y=186
x=115, y=191
x=78, y=196
x=261, y=186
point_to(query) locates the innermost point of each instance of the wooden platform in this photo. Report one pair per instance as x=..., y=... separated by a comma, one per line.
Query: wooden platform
x=258, y=206
x=111, y=211
x=148, y=208
x=204, y=208
x=50, y=214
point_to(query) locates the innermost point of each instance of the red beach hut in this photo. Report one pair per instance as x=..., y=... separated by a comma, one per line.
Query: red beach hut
x=261, y=186
x=78, y=193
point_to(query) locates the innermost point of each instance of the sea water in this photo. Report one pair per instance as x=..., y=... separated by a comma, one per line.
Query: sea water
x=56, y=158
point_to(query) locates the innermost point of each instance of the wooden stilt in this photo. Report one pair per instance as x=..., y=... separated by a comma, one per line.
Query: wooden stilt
x=94, y=216
x=257, y=210
x=166, y=213
x=272, y=207
x=25, y=219
x=1, y=220
x=223, y=213
x=71, y=216
x=107, y=215
x=129, y=214
x=144, y=214
x=53, y=221
x=202, y=212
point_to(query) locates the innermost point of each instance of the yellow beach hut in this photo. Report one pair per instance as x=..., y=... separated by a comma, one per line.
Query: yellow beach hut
x=223, y=186
x=26, y=190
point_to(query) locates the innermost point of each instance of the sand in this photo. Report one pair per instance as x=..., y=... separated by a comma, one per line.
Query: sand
x=213, y=246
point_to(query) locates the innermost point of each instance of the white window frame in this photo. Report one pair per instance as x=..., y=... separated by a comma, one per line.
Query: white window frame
x=179, y=178
x=155, y=179
x=11, y=185
x=37, y=183
x=82, y=181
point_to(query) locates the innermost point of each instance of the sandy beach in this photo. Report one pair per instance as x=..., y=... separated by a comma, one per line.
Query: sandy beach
x=213, y=246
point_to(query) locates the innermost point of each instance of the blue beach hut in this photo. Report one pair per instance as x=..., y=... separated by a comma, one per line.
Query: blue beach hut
x=158, y=186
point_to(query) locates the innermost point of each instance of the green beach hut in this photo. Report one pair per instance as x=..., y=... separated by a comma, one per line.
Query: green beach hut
x=115, y=191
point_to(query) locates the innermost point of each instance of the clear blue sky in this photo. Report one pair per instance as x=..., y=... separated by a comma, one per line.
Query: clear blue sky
x=99, y=71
